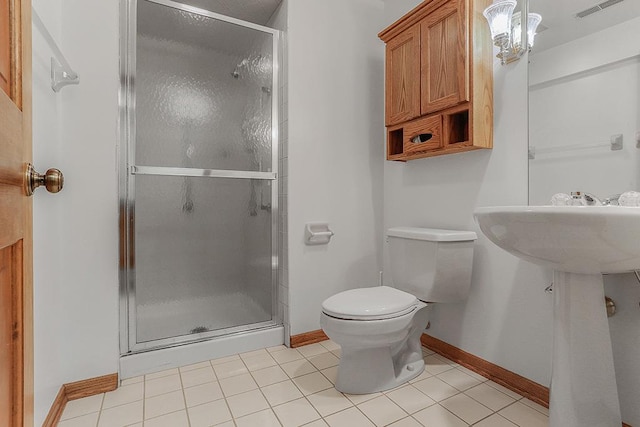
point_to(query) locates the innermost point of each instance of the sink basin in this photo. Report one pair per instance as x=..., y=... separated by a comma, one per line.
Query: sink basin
x=576, y=239
x=580, y=243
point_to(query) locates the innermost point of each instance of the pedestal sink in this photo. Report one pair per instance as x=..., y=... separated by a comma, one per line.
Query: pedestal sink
x=580, y=243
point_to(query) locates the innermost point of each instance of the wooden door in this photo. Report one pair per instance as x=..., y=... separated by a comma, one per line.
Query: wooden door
x=16, y=317
x=403, y=77
x=444, y=57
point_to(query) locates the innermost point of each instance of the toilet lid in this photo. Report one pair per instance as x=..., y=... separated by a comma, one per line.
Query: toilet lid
x=381, y=302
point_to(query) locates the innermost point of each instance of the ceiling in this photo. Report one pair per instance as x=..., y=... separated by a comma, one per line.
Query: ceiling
x=559, y=16
x=256, y=11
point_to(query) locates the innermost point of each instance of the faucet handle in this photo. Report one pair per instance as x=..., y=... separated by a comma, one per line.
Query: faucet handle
x=612, y=200
x=592, y=200
x=577, y=198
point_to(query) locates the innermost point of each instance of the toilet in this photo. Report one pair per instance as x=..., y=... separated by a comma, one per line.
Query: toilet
x=379, y=328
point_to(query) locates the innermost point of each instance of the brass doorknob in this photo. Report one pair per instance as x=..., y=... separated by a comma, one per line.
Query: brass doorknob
x=53, y=180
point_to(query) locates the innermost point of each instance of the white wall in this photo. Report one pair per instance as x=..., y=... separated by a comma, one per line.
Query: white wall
x=47, y=213
x=335, y=105
x=76, y=231
x=89, y=224
x=507, y=317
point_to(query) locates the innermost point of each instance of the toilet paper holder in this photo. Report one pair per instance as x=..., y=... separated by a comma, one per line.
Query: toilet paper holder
x=317, y=233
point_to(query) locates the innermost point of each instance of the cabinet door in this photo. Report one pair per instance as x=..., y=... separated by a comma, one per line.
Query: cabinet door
x=444, y=58
x=403, y=77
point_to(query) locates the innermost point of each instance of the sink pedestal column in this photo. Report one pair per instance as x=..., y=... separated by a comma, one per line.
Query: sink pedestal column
x=583, y=381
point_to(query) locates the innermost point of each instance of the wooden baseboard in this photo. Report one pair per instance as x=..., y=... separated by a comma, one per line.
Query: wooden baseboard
x=308, y=338
x=90, y=387
x=517, y=383
x=78, y=390
x=56, y=409
x=514, y=382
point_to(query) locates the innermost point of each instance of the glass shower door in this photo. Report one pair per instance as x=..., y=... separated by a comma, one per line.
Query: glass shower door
x=201, y=192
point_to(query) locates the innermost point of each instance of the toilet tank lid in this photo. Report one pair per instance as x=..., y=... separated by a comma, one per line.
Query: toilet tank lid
x=432, y=234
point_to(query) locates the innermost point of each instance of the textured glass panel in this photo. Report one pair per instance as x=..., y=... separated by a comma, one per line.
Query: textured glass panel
x=203, y=92
x=202, y=254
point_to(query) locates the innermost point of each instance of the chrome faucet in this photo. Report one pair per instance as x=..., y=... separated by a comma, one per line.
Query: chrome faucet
x=578, y=198
x=587, y=199
x=592, y=200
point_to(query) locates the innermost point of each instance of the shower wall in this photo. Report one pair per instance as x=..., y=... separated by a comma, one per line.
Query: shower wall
x=279, y=22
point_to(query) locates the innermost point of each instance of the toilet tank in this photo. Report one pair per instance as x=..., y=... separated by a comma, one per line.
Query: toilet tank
x=432, y=264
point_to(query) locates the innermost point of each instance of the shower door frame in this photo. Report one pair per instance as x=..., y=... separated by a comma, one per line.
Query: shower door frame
x=128, y=169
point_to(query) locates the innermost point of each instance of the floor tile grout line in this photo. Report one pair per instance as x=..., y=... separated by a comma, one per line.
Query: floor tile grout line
x=513, y=403
x=489, y=383
x=316, y=369
x=504, y=394
x=463, y=393
x=261, y=392
x=82, y=415
x=402, y=409
x=184, y=398
x=452, y=413
x=144, y=396
x=484, y=418
x=100, y=411
x=534, y=408
x=299, y=390
x=291, y=379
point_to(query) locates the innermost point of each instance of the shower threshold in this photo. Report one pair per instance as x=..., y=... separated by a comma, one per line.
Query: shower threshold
x=133, y=365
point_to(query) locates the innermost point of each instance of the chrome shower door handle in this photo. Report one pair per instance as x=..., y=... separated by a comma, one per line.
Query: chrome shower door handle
x=52, y=180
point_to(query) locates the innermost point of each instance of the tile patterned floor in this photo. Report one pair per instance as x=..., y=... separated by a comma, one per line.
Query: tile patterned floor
x=294, y=387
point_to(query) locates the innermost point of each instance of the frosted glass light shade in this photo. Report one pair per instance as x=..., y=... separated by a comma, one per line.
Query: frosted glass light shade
x=516, y=30
x=532, y=25
x=499, y=17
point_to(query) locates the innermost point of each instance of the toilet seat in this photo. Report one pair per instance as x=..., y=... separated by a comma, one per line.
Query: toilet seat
x=377, y=303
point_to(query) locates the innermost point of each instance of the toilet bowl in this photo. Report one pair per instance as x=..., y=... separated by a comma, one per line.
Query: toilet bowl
x=379, y=328
x=384, y=344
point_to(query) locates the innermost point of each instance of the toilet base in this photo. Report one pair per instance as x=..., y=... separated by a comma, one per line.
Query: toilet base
x=369, y=369
x=351, y=380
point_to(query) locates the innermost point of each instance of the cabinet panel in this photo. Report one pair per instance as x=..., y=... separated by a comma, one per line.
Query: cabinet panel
x=403, y=77
x=444, y=63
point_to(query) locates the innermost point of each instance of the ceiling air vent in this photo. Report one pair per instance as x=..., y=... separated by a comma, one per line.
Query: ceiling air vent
x=597, y=8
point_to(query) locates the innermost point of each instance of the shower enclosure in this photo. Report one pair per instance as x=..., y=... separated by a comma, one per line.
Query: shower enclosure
x=198, y=176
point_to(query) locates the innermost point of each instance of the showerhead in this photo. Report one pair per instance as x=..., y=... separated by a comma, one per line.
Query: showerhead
x=236, y=72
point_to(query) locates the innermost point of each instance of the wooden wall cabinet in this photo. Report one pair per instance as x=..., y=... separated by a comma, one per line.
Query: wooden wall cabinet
x=439, y=80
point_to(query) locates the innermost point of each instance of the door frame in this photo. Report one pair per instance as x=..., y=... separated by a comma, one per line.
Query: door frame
x=127, y=171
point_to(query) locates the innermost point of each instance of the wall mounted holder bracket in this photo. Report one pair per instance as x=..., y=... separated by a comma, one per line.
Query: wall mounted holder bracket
x=317, y=233
x=61, y=72
x=60, y=77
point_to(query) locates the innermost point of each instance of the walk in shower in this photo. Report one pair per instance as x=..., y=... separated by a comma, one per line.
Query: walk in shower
x=198, y=176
